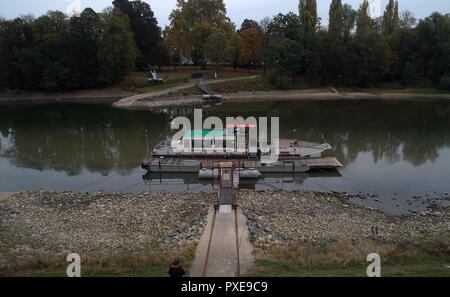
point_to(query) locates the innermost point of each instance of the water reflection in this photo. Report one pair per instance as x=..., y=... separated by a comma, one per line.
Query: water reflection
x=398, y=146
x=190, y=182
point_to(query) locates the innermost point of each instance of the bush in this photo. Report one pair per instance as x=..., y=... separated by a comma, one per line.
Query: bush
x=197, y=75
x=281, y=80
x=444, y=83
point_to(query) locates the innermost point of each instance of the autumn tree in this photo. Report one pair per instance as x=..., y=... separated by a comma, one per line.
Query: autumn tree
x=199, y=19
x=250, y=47
x=178, y=45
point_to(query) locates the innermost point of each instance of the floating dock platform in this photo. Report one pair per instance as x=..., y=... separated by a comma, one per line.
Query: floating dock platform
x=182, y=165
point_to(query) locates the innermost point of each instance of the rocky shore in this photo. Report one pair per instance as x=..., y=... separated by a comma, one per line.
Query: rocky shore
x=277, y=217
x=102, y=223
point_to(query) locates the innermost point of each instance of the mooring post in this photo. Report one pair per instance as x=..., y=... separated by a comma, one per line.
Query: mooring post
x=146, y=142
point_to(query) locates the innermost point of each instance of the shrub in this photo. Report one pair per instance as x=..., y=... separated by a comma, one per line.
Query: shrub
x=281, y=80
x=197, y=75
x=444, y=83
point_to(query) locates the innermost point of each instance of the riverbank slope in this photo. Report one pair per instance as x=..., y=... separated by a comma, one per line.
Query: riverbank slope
x=147, y=101
x=140, y=234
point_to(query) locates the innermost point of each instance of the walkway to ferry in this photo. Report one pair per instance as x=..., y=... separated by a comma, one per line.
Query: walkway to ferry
x=224, y=249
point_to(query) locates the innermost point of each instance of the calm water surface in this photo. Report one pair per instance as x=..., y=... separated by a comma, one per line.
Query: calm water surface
x=393, y=149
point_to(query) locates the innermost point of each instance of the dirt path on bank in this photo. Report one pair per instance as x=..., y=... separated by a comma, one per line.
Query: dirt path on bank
x=153, y=99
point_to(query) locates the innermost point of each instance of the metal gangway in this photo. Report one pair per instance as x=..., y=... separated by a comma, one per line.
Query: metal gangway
x=228, y=180
x=209, y=93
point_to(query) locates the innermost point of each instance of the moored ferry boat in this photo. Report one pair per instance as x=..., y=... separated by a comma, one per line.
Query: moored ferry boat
x=201, y=151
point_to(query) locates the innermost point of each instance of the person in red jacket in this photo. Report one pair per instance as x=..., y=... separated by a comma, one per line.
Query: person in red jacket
x=176, y=270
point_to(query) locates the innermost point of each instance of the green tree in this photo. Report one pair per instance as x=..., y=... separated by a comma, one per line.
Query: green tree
x=82, y=45
x=308, y=16
x=342, y=20
x=284, y=26
x=390, y=18
x=117, y=48
x=216, y=47
x=147, y=33
x=232, y=50
x=284, y=59
x=407, y=20
x=50, y=35
x=349, y=16
x=433, y=47
x=336, y=19
x=363, y=20
x=371, y=59
x=247, y=24
x=18, y=60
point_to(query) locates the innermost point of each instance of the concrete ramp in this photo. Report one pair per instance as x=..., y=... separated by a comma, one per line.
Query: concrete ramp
x=224, y=249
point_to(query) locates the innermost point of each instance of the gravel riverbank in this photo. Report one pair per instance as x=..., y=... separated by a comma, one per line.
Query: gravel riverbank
x=99, y=222
x=284, y=217
x=62, y=222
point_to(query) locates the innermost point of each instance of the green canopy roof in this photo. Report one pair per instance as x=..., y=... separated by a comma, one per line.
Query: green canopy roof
x=197, y=134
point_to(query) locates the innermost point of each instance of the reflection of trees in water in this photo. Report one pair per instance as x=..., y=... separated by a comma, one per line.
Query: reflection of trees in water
x=101, y=139
x=70, y=138
x=392, y=130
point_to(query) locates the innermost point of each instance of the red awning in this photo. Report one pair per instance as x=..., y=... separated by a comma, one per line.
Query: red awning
x=241, y=125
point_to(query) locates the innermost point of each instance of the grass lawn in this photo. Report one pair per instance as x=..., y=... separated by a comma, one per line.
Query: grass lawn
x=430, y=266
x=126, y=264
x=137, y=82
x=258, y=84
x=347, y=259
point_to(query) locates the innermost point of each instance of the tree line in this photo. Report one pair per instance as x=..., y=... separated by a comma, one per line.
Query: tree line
x=355, y=49
x=55, y=51
x=98, y=49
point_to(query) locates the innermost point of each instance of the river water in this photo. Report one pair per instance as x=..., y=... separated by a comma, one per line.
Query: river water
x=396, y=150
